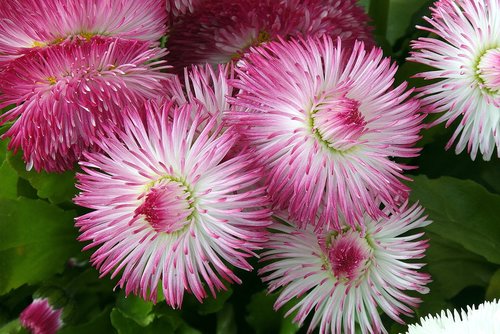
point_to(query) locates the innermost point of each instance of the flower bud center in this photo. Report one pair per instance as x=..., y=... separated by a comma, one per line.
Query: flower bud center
x=488, y=70
x=349, y=255
x=338, y=123
x=167, y=206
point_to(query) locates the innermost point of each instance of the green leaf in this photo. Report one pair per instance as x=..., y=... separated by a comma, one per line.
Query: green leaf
x=400, y=16
x=56, y=187
x=453, y=268
x=226, y=323
x=36, y=240
x=99, y=324
x=264, y=319
x=125, y=325
x=13, y=327
x=135, y=308
x=214, y=305
x=493, y=291
x=8, y=181
x=8, y=178
x=463, y=212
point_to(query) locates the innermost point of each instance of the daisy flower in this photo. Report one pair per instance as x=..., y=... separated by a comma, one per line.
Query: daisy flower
x=341, y=278
x=219, y=31
x=25, y=24
x=168, y=209
x=325, y=122
x=483, y=319
x=40, y=318
x=465, y=57
x=68, y=93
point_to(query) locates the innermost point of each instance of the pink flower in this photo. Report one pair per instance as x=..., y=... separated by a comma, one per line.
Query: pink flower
x=466, y=72
x=168, y=207
x=25, y=24
x=179, y=7
x=340, y=278
x=326, y=122
x=40, y=318
x=219, y=31
x=66, y=95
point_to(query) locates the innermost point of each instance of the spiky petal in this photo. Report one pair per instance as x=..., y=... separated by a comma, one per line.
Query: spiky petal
x=341, y=279
x=40, y=318
x=483, y=319
x=326, y=122
x=27, y=24
x=179, y=7
x=466, y=62
x=219, y=31
x=168, y=207
x=68, y=94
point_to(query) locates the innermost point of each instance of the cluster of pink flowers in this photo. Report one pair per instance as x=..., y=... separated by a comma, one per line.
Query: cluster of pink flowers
x=286, y=144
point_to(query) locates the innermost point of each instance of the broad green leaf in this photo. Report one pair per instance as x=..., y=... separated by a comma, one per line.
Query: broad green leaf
x=56, y=187
x=8, y=181
x=8, y=175
x=400, y=17
x=36, y=241
x=135, y=308
x=463, y=212
x=435, y=161
x=99, y=324
x=493, y=291
x=13, y=327
x=226, y=323
x=453, y=268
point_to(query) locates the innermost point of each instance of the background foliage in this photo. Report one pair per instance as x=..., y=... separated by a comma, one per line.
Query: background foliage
x=40, y=256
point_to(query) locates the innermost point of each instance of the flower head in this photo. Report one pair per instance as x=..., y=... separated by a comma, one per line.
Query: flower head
x=342, y=277
x=466, y=62
x=325, y=122
x=483, y=319
x=67, y=94
x=219, y=31
x=168, y=207
x=40, y=318
x=26, y=24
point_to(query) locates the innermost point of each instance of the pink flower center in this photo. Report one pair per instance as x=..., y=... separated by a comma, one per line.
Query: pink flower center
x=338, y=123
x=167, y=206
x=349, y=255
x=488, y=70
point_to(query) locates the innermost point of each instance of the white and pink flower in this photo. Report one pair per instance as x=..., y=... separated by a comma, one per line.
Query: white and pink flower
x=465, y=87
x=169, y=209
x=27, y=24
x=340, y=279
x=67, y=94
x=326, y=123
